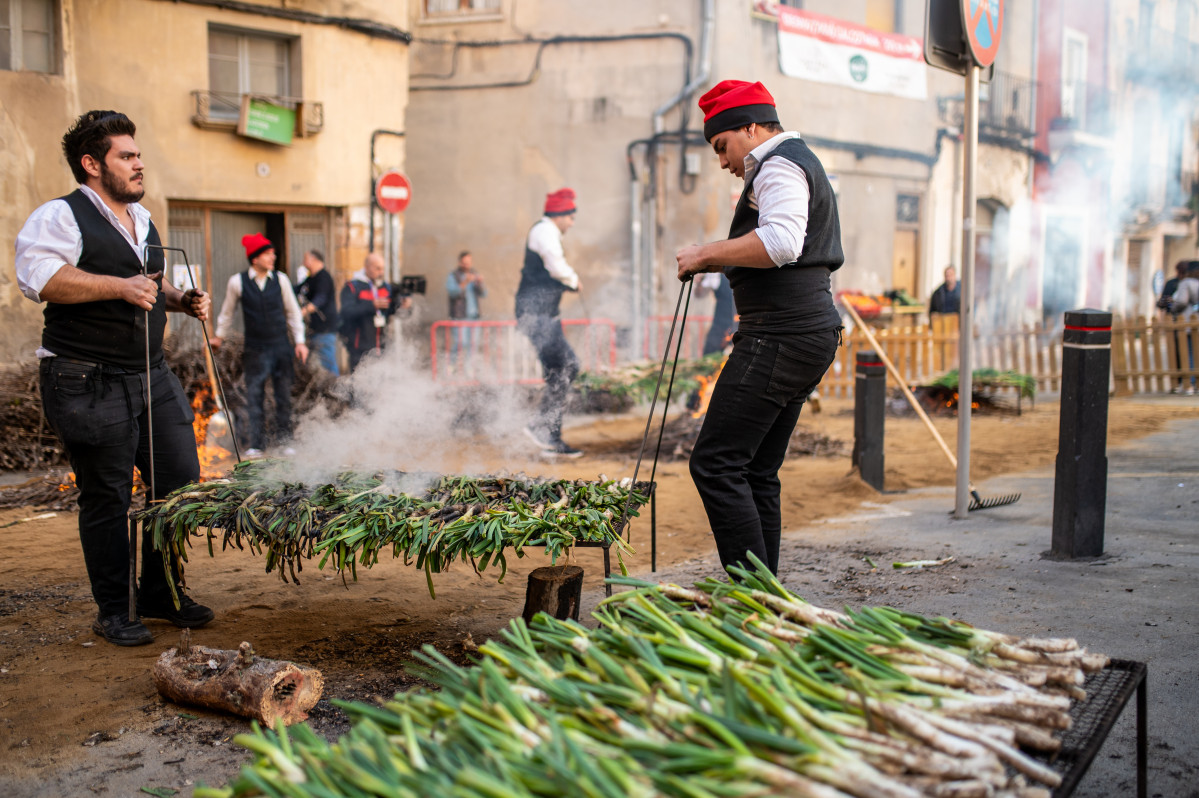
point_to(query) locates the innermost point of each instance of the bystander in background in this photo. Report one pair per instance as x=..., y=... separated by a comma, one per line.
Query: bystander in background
x=465, y=288
x=367, y=305
x=318, y=302
x=948, y=296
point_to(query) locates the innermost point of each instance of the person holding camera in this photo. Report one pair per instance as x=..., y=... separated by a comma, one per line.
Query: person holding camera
x=367, y=305
x=1183, y=303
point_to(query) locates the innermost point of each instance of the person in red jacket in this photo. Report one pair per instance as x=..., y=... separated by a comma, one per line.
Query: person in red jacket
x=366, y=307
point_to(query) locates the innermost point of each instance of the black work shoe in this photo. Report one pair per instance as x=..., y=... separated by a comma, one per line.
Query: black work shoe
x=120, y=631
x=560, y=448
x=190, y=615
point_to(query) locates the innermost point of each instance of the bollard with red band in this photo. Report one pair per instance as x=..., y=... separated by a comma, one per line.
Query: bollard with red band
x=869, y=407
x=1080, y=484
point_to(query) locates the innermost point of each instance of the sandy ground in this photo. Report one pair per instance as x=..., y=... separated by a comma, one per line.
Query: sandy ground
x=79, y=716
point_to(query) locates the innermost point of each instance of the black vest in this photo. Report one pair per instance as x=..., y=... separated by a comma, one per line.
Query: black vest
x=262, y=313
x=539, y=294
x=109, y=331
x=795, y=297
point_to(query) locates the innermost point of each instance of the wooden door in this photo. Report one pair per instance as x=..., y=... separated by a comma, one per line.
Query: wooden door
x=903, y=262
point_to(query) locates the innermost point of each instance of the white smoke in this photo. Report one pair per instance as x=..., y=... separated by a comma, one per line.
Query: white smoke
x=400, y=419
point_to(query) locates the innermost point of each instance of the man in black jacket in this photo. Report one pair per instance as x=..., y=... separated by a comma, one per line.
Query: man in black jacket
x=90, y=257
x=783, y=245
x=318, y=302
x=367, y=305
x=948, y=296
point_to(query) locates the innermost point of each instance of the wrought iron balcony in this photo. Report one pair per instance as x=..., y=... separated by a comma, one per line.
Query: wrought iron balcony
x=1005, y=108
x=1086, y=108
x=219, y=110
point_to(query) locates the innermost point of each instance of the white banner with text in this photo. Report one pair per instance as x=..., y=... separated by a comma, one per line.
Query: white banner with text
x=830, y=50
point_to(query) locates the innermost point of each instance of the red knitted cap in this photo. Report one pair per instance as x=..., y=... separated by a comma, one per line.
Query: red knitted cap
x=560, y=202
x=256, y=244
x=735, y=103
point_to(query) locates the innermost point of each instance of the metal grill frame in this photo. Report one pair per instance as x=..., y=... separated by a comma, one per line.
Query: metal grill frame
x=1108, y=692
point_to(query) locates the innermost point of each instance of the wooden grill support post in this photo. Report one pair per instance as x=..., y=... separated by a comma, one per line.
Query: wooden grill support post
x=1080, y=483
x=869, y=407
x=556, y=590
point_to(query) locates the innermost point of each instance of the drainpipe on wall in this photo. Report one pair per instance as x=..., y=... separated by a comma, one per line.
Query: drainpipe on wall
x=644, y=246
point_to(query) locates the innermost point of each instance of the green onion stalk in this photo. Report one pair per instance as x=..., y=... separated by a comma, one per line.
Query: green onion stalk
x=352, y=520
x=726, y=689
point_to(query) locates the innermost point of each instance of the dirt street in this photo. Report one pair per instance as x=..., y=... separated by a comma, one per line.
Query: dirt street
x=79, y=716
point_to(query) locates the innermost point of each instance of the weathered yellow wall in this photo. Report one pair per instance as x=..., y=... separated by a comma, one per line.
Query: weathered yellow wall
x=144, y=58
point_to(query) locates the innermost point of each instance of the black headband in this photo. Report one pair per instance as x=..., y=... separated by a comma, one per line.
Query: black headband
x=742, y=115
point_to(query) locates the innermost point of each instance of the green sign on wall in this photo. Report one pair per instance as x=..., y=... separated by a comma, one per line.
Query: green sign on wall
x=263, y=120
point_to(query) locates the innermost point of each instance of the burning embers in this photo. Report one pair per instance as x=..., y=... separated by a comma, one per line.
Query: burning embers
x=939, y=400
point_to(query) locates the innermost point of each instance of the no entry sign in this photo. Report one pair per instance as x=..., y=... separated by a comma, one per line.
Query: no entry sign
x=983, y=24
x=393, y=191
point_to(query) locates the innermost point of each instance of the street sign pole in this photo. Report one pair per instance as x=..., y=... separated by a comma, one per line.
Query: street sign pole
x=961, y=503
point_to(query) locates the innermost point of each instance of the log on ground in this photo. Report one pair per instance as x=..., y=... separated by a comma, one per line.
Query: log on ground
x=555, y=590
x=238, y=682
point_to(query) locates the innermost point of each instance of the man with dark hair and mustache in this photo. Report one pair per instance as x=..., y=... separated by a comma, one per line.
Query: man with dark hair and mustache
x=86, y=257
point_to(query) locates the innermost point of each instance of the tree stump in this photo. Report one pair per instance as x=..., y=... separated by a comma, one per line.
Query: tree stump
x=237, y=682
x=554, y=590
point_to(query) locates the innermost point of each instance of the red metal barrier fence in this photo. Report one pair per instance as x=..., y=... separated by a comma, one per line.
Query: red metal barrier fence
x=657, y=328
x=496, y=353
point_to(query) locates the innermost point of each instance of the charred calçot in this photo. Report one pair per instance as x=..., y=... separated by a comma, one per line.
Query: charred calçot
x=350, y=520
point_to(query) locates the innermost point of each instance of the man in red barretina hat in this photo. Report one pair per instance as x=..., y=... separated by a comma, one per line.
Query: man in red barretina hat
x=274, y=327
x=545, y=275
x=783, y=246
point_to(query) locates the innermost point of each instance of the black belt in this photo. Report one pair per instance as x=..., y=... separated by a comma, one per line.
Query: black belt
x=104, y=368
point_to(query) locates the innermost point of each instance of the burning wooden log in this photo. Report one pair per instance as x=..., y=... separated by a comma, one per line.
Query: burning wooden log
x=555, y=590
x=237, y=682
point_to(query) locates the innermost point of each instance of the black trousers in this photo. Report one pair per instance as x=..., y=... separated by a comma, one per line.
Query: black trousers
x=100, y=415
x=744, y=438
x=559, y=367
x=276, y=364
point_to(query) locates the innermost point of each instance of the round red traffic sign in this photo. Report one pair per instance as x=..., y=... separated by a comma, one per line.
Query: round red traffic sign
x=393, y=191
x=982, y=21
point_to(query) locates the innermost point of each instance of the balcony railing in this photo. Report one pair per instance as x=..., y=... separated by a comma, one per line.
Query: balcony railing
x=1006, y=106
x=1086, y=108
x=219, y=110
x=1157, y=54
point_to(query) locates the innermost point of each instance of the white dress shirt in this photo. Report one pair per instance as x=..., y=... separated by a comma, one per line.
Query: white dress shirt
x=780, y=193
x=546, y=240
x=295, y=317
x=51, y=239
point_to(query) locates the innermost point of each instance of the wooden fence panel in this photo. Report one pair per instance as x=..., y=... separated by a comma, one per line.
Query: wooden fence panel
x=1153, y=355
x=922, y=353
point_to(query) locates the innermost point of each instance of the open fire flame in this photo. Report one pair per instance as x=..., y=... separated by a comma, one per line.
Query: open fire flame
x=706, y=386
x=214, y=460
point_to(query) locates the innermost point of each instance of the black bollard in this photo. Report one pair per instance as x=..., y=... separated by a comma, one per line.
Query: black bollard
x=869, y=405
x=1080, y=483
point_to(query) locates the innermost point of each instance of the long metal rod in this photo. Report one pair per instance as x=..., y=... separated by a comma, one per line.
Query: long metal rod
x=961, y=503
x=208, y=347
x=624, y=513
